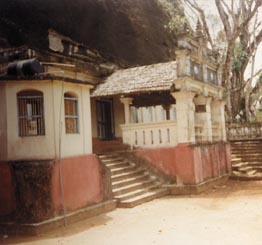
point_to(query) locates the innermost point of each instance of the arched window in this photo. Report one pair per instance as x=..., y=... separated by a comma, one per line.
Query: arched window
x=71, y=114
x=30, y=113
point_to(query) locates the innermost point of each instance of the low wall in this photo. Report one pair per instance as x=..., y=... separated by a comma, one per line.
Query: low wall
x=7, y=190
x=82, y=183
x=190, y=163
x=32, y=191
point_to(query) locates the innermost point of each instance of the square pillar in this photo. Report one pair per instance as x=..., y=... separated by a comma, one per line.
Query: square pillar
x=127, y=102
x=218, y=116
x=185, y=110
x=204, y=117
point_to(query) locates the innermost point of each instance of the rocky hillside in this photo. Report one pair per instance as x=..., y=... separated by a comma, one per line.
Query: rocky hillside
x=128, y=31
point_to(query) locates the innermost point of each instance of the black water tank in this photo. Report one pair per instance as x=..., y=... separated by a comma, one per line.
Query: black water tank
x=28, y=67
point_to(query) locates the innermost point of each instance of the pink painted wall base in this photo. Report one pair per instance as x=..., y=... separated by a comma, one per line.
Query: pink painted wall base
x=30, y=191
x=190, y=163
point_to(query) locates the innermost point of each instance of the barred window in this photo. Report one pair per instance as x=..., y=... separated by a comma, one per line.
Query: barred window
x=71, y=114
x=211, y=76
x=30, y=113
x=196, y=71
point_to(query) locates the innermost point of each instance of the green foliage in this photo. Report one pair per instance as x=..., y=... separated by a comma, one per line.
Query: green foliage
x=177, y=20
x=239, y=57
x=178, y=24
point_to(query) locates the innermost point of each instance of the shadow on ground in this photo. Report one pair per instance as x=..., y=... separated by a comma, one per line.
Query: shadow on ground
x=69, y=230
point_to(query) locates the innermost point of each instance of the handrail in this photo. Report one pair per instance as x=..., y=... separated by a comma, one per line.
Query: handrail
x=150, y=134
x=244, y=131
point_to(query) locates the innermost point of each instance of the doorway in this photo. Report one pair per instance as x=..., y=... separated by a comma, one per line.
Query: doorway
x=105, y=123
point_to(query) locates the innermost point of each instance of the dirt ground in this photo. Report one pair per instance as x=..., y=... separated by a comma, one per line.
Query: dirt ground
x=226, y=214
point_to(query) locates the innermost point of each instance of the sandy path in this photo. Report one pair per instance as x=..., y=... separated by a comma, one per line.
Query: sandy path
x=230, y=214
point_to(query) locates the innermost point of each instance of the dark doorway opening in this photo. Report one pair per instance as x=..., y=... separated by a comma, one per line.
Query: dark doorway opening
x=105, y=123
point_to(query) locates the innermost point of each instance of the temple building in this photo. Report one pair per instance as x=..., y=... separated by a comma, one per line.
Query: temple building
x=65, y=110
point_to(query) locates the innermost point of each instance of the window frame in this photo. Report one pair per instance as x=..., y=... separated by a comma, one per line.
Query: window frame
x=211, y=72
x=72, y=97
x=25, y=98
x=198, y=76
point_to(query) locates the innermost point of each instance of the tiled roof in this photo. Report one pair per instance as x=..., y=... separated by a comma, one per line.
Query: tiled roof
x=157, y=77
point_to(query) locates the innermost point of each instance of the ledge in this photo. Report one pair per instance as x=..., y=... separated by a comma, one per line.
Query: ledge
x=47, y=225
x=197, y=188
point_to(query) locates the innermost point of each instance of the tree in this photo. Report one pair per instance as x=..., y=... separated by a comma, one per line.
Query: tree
x=243, y=34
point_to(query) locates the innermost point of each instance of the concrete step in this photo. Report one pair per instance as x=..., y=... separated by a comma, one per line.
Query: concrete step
x=108, y=155
x=127, y=174
x=235, y=160
x=245, y=169
x=112, y=160
x=247, y=159
x=250, y=173
x=255, y=164
x=239, y=165
x=132, y=187
x=250, y=153
x=242, y=152
x=145, y=197
x=250, y=147
x=246, y=142
x=118, y=165
x=131, y=180
x=122, y=170
x=131, y=194
x=251, y=150
x=243, y=146
x=251, y=159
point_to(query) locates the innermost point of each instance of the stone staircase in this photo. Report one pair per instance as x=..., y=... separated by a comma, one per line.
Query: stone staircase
x=132, y=185
x=246, y=159
x=102, y=146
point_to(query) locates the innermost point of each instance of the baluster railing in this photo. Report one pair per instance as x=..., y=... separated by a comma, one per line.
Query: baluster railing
x=244, y=131
x=150, y=134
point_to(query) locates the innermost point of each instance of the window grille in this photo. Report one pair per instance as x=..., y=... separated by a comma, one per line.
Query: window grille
x=71, y=114
x=30, y=113
x=196, y=71
x=211, y=76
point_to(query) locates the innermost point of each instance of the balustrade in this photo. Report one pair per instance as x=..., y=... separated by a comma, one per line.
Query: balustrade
x=150, y=134
x=244, y=131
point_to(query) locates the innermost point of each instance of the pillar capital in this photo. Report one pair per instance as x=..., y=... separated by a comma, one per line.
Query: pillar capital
x=202, y=100
x=187, y=95
x=217, y=102
x=126, y=100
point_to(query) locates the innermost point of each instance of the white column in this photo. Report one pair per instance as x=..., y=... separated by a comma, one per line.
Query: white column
x=154, y=115
x=185, y=110
x=204, y=72
x=205, y=116
x=218, y=115
x=127, y=102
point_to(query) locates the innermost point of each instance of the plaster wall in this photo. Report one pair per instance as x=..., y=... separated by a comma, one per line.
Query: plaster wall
x=50, y=145
x=7, y=190
x=71, y=144
x=30, y=191
x=190, y=163
x=3, y=123
x=82, y=181
x=33, y=147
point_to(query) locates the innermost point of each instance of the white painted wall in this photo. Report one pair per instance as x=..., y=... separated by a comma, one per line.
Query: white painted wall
x=3, y=123
x=48, y=146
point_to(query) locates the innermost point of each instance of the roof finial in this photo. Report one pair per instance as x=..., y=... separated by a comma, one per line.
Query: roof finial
x=199, y=30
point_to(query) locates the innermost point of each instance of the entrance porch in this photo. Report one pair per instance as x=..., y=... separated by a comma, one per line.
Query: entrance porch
x=176, y=124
